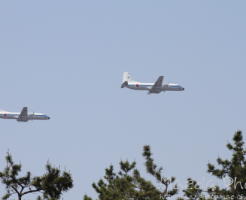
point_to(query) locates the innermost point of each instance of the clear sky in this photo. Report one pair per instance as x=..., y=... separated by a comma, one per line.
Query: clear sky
x=67, y=58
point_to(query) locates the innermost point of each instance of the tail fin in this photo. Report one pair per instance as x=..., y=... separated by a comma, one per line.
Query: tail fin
x=127, y=77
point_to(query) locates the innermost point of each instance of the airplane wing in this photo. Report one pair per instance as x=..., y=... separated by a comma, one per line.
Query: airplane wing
x=23, y=115
x=156, y=87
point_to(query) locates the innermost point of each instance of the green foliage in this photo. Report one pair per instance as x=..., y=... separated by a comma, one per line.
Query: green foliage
x=152, y=168
x=193, y=191
x=235, y=169
x=87, y=198
x=51, y=184
x=46, y=198
x=180, y=198
x=125, y=185
x=128, y=184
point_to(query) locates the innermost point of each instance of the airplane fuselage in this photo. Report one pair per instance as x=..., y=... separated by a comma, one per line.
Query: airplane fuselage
x=148, y=86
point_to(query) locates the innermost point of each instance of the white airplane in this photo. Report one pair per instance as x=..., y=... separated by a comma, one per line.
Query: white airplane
x=24, y=116
x=153, y=88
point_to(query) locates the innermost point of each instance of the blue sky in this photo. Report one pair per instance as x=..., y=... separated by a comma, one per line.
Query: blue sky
x=67, y=58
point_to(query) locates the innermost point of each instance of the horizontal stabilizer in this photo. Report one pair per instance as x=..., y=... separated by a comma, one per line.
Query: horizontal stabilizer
x=124, y=84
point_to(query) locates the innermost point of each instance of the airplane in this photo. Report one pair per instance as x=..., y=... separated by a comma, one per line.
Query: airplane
x=24, y=116
x=153, y=88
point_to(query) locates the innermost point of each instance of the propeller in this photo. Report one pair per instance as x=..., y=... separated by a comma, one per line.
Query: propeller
x=167, y=86
x=32, y=116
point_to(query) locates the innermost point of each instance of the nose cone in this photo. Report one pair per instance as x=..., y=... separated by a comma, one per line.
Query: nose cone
x=183, y=89
x=48, y=117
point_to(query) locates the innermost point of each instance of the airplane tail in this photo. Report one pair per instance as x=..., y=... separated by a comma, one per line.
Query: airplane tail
x=127, y=77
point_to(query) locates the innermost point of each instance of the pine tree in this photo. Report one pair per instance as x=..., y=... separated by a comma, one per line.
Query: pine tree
x=51, y=184
x=235, y=169
x=128, y=184
x=193, y=191
x=152, y=168
x=125, y=185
